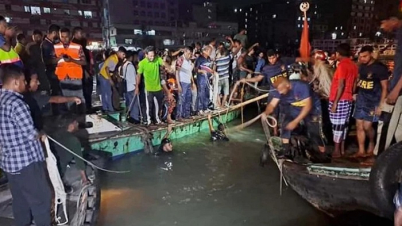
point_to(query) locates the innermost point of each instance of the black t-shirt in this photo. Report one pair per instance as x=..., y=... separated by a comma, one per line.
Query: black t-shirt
x=218, y=135
x=369, y=83
x=37, y=102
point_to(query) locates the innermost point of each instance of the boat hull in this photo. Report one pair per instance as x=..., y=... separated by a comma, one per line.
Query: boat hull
x=329, y=194
x=131, y=140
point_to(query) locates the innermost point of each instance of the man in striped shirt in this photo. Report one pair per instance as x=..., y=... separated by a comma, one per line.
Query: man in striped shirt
x=222, y=67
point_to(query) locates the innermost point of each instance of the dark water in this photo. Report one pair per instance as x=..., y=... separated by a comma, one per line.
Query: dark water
x=208, y=184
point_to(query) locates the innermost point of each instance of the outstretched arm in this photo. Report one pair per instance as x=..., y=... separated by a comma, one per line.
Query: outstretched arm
x=211, y=127
x=169, y=131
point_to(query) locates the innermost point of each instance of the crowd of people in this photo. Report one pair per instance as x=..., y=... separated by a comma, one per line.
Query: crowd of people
x=54, y=74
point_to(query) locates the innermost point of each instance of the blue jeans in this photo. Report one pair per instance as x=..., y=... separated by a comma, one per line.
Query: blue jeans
x=203, y=93
x=106, y=94
x=135, y=108
x=183, y=108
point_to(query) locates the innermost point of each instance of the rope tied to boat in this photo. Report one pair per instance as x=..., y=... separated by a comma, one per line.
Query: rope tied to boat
x=81, y=158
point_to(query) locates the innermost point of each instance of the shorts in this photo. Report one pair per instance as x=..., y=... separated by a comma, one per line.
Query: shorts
x=224, y=85
x=312, y=125
x=366, y=113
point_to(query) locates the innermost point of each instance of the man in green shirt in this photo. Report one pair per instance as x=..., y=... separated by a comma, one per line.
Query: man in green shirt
x=149, y=68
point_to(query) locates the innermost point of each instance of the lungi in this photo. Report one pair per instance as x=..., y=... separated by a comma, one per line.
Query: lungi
x=340, y=120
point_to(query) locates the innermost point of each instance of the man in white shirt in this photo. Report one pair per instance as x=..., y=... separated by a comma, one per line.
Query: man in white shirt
x=212, y=44
x=184, y=77
x=129, y=75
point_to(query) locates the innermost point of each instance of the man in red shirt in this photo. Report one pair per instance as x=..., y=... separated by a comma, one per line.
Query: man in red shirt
x=341, y=97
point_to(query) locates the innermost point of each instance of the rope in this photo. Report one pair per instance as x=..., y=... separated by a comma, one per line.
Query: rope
x=241, y=101
x=90, y=163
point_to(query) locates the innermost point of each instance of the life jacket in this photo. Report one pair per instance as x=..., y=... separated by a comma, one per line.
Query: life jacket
x=68, y=69
x=10, y=57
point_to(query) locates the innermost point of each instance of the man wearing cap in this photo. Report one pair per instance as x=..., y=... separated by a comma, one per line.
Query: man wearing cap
x=105, y=78
x=301, y=104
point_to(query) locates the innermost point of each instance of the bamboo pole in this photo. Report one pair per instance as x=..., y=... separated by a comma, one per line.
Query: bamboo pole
x=231, y=108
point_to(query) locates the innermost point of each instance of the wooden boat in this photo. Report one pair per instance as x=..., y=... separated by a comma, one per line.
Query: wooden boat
x=83, y=204
x=344, y=186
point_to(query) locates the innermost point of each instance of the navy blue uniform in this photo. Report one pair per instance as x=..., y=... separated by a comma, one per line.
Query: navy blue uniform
x=292, y=104
x=271, y=73
x=369, y=90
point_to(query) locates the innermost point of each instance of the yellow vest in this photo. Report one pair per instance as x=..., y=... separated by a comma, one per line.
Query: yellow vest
x=9, y=57
x=112, y=58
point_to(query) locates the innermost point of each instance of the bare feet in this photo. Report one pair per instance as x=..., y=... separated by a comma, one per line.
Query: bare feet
x=370, y=149
x=336, y=155
x=357, y=155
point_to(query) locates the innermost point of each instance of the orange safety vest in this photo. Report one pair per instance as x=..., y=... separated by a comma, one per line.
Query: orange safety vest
x=68, y=69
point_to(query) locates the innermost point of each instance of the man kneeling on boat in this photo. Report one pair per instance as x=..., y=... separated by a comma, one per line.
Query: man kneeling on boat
x=301, y=105
x=65, y=136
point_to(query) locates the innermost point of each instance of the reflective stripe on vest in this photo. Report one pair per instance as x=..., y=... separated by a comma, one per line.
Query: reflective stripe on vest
x=9, y=57
x=68, y=69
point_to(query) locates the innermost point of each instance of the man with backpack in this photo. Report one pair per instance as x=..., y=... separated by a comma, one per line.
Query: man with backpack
x=128, y=77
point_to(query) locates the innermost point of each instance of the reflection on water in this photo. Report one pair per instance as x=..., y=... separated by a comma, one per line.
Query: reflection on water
x=204, y=184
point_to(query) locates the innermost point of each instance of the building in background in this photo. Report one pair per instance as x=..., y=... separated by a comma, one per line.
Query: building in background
x=361, y=22
x=141, y=23
x=205, y=13
x=30, y=15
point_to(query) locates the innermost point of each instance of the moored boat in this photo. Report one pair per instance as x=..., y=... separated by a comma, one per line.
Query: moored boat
x=344, y=186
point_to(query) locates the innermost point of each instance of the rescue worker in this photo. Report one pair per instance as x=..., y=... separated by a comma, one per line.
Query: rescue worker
x=372, y=86
x=70, y=59
x=301, y=104
x=275, y=69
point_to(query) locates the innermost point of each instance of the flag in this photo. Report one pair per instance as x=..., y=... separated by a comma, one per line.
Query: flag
x=304, y=41
x=400, y=5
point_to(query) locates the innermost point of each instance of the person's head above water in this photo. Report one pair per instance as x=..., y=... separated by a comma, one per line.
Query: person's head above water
x=166, y=145
x=282, y=85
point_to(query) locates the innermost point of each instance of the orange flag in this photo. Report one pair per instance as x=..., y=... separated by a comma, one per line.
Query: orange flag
x=304, y=41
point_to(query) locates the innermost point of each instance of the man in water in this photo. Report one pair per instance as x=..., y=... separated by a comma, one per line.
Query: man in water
x=218, y=134
x=301, y=104
x=166, y=146
x=372, y=90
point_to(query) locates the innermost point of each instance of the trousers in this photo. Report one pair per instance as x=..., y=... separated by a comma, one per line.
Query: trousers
x=183, y=108
x=31, y=194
